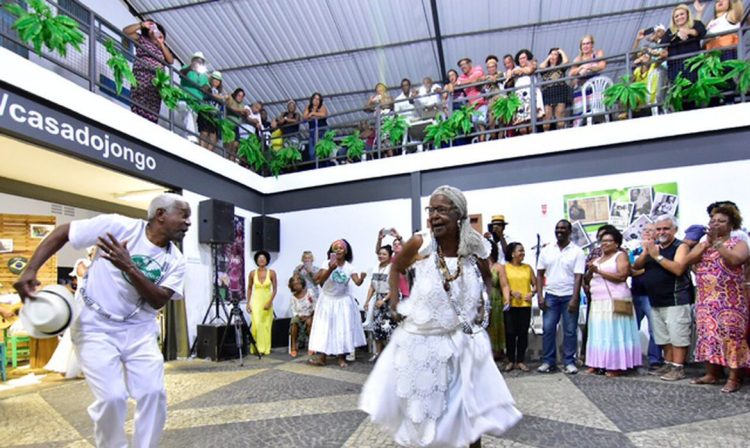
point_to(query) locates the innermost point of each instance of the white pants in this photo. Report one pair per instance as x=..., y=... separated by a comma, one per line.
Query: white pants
x=117, y=365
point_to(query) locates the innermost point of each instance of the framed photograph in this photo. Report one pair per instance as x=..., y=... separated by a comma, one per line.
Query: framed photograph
x=579, y=235
x=664, y=204
x=633, y=232
x=620, y=213
x=6, y=246
x=642, y=198
x=590, y=210
x=40, y=231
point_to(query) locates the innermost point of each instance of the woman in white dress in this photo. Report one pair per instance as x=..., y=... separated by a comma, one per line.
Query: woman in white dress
x=64, y=359
x=436, y=384
x=338, y=325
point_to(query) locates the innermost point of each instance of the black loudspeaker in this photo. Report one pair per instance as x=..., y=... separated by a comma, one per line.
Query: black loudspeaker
x=280, y=332
x=209, y=341
x=216, y=221
x=265, y=234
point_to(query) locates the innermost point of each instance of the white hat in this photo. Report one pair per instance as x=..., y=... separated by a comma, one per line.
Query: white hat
x=660, y=27
x=198, y=55
x=49, y=314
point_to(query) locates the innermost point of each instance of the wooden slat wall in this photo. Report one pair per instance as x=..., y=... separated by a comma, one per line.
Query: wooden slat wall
x=17, y=228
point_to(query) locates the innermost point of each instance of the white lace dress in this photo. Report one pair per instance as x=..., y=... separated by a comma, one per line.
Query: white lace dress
x=435, y=385
x=337, y=329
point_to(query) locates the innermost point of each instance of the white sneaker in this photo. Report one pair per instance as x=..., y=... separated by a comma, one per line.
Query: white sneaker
x=351, y=357
x=571, y=369
x=545, y=368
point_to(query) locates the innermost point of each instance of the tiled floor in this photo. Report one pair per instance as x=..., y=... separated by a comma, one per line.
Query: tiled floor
x=278, y=401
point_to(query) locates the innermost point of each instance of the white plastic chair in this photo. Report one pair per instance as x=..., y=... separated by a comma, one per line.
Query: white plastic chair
x=596, y=86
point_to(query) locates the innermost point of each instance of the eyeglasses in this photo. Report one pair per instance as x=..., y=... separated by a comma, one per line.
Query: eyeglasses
x=439, y=210
x=586, y=43
x=608, y=240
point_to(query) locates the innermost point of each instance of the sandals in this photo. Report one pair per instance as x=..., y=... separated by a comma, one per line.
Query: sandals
x=705, y=379
x=343, y=364
x=612, y=373
x=508, y=367
x=522, y=367
x=731, y=386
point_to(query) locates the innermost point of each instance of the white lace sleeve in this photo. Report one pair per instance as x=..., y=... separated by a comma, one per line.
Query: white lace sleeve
x=426, y=248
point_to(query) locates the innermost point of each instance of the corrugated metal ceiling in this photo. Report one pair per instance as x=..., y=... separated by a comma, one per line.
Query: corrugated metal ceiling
x=277, y=50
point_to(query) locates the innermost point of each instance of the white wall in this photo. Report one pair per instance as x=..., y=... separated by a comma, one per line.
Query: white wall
x=316, y=229
x=198, y=274
x=24, y=206
x=697, y=187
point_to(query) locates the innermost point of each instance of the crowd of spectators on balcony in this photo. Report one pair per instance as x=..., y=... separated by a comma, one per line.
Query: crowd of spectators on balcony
x=553, y=88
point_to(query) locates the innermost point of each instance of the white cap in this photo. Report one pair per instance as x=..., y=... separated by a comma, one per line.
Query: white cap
x=49, y=313
x=660, y=27
x=198, y=55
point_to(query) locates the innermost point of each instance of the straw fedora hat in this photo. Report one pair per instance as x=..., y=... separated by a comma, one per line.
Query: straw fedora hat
x=49, y=314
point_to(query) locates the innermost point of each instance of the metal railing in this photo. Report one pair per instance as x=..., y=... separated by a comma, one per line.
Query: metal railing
x=88, y=68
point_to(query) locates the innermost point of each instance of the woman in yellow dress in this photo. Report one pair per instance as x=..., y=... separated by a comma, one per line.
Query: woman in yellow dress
x=261, y=291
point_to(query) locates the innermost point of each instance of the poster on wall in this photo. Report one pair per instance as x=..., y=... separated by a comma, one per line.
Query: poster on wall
x=589, y=210
x=6, y=246
x=628, y=209
x=40, y=231
x=579, y=236
x=230, y=265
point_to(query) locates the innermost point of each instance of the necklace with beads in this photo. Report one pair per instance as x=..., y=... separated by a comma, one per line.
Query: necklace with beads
x=445, y=272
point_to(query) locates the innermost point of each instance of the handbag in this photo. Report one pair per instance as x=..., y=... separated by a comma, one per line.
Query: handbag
x=623, y=307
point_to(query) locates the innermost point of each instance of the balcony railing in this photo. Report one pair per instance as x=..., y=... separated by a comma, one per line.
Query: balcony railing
x=580, y=106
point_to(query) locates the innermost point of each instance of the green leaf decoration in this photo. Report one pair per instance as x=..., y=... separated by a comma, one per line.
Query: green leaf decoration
x=705, y=89
x=227, y=127
x=355, y=146
x=42, y=29
x=439, y=132
x=394, y=127
x=676, y=94
x=739, y=71
x=251, y=150
x=285, y=157
x=706, y=64
x=460, y=119
x=120, y=66
x=326, y=146
x=170, y=94
x=505, y=107
x=627, y=94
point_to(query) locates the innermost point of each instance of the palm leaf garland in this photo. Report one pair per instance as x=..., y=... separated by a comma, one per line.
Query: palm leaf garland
x=505, y=107
x=676, y=94
x=394, y=127
x=250, y=149
x=461, y=119
x=626, y=93
x=120, y=66
x=739, y=71
x=326, y=146
x=170, y=94
x=439, y=132
x=43, y=29
x=227, y=129
x=355, y=146
x=285, y=157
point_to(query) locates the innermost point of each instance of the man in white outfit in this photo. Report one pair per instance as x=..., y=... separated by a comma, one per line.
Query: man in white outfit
x=136, y=271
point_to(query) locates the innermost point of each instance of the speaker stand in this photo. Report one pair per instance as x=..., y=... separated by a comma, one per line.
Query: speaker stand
x=216, y=303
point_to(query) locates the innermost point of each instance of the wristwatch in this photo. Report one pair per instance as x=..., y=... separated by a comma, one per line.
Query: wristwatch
x=659, y=259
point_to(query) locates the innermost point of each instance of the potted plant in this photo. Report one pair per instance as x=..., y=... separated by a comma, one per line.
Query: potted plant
x=505, y=107
x=251, y=150
x=628, y=95
x=439, y=133
x=325, y=147
x=355, y=146
x=461, y=123
x=393, y=127
x=284, y=158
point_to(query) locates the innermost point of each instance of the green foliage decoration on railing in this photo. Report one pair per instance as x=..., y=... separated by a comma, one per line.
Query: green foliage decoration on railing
x=43, y=28
x=120, y=66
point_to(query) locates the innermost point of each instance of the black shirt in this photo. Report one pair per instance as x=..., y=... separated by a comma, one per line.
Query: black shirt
x=678, y=46
x=663, y=287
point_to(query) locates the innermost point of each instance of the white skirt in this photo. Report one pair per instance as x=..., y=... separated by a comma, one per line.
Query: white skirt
x=64, y=359
x=439, y=390
x=337, y=326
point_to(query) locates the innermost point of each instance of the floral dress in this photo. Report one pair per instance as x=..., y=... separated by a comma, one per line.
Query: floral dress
x=146, y=101
x=721, y=311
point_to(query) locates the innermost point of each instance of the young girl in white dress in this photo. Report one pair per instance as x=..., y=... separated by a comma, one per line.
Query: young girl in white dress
x=436, y=384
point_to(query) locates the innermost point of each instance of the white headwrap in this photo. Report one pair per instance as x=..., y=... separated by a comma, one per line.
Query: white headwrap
x=470, y=242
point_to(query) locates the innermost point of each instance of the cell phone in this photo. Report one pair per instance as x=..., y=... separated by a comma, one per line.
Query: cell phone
x=648, y=31
x=332, y=257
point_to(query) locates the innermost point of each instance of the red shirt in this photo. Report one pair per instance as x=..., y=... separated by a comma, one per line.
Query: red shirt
x=472, y=93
